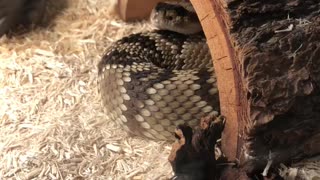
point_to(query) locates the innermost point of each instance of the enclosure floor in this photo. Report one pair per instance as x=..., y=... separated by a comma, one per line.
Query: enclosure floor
x=52, y=125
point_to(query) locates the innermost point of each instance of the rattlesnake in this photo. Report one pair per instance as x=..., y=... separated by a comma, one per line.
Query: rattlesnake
x=150, y=82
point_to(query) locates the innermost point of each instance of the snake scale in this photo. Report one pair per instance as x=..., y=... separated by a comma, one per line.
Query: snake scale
x=150, y=82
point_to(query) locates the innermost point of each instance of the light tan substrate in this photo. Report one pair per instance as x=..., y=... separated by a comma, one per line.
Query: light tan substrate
x=52, y=124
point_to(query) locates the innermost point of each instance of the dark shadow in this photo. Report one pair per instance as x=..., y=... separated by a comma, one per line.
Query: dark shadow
x=21, y=16
x=53, y=9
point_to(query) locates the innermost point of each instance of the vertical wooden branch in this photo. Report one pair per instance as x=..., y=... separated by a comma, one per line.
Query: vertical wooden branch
x=214, y=22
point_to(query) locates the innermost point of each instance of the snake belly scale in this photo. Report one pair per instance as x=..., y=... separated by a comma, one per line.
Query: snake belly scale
x=153, y=81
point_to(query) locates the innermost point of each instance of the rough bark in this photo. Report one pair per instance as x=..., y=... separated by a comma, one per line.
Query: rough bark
x=267, y=59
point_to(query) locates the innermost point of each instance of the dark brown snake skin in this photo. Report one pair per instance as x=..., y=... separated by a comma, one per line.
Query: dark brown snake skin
x=151, y=82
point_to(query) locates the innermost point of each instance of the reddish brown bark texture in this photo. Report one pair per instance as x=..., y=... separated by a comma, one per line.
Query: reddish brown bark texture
x=267, y=60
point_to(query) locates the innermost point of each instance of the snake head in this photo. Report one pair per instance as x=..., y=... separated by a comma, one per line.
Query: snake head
x=178, y=17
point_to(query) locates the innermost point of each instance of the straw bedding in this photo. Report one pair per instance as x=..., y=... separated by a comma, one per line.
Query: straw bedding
x=52, y=125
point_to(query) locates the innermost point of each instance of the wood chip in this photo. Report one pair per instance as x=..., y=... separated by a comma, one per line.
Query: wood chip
x=50, y=107
x=113, y=148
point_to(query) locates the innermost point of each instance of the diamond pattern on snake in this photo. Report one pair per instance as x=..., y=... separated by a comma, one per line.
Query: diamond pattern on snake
x=150, y=82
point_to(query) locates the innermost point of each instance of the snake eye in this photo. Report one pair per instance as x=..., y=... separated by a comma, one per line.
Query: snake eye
x=170, y=18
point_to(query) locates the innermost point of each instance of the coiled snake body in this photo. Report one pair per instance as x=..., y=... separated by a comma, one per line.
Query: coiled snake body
x=153, y=81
